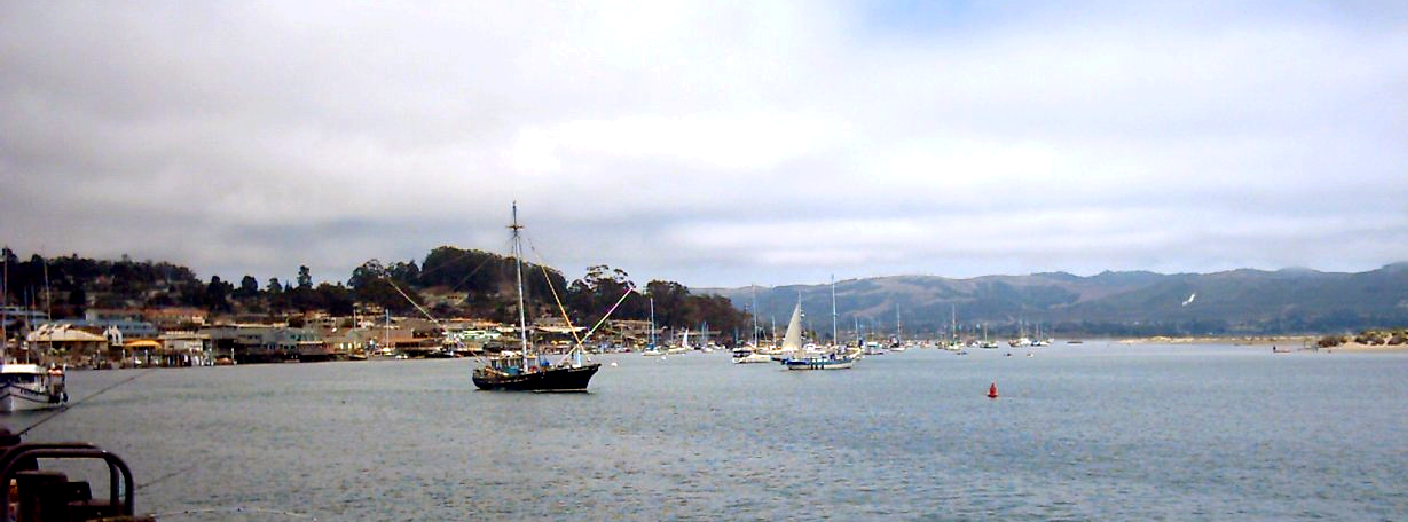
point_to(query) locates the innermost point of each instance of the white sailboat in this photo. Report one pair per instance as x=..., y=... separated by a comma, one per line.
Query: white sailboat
x=792, y=339
x=834, y=359
x=650, y=348
x=683, y=348
x=898, y=345
x=752, y=353
x=705, y=345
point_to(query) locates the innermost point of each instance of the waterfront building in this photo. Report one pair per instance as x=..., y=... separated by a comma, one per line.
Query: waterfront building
x=63, y=344
x=258, y=343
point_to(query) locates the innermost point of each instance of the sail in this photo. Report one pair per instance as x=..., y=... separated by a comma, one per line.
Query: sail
x=793, y=339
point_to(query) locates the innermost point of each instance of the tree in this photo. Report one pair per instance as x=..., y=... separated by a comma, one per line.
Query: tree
x=336, y=299
x=274, y=293
x=670, y=303
x=217, y=294
x=249, y=288
x=406, y=272
x=305, y=279
x=78, y=300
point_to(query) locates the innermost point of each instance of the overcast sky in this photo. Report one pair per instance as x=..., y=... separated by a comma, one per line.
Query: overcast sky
x=713, y=143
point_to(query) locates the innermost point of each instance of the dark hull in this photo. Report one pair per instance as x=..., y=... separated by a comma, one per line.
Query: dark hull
x=553, y=380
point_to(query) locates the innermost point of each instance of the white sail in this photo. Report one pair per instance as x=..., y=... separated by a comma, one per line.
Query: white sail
x=792, y=341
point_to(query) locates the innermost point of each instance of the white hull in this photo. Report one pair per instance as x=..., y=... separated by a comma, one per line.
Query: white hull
x=750, y=359
x=15, y=398
x=827, y=365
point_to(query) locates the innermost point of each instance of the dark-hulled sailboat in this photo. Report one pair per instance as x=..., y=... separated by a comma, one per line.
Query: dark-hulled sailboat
x=523, y=370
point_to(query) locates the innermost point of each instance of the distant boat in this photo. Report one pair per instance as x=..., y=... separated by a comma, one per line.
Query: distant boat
x=986, y=343
x=524, y=370
x=898, y=346
x=835, y=359
x=651, y=350
x=25, y=387
x=748, y=356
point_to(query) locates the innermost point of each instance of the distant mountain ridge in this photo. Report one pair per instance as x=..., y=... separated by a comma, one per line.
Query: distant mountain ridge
x=1242, y=301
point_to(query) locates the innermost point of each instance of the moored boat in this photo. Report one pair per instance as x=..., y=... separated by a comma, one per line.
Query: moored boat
x=828, y=361
x=523, y=370
x=833, y=358
x=748, y=356
x=31, y=387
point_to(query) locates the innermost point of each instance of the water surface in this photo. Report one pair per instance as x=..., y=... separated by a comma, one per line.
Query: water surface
x=1098, y=431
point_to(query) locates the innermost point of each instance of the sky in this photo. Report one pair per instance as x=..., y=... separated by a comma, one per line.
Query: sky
x=712, y=143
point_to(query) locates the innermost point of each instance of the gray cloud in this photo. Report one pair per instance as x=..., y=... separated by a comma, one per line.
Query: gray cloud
x=710, y=143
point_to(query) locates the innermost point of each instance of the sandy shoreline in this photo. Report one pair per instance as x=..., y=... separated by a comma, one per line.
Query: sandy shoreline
x=1361, y=347
x=1291, y=342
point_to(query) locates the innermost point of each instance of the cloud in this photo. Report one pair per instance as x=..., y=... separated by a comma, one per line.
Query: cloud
x=711, y=143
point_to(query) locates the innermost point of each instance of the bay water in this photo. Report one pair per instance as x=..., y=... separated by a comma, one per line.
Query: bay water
x=1093, y=431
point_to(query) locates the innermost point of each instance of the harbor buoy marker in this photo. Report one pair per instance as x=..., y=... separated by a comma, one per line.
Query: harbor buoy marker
x=992, y=391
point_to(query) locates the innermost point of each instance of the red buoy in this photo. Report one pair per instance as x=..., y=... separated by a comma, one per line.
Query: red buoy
x=992, y=391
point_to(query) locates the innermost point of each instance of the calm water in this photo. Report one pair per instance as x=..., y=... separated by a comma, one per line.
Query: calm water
x=1082, y=432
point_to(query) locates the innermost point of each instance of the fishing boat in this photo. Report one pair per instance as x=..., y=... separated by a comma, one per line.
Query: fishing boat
x=822, y=361
x=25, y=387
x=524, y=370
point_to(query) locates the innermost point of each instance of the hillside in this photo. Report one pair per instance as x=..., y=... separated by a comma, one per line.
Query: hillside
x=1109, y=303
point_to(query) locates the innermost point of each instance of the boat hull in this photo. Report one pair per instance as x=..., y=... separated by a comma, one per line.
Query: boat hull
x=563, y=380
x=819, y=364
x=19, y=398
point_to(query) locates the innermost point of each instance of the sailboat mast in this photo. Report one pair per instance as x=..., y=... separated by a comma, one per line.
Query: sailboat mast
x=518, y=268
x=4, y=306
x=834, y=340
x=755, y=316
x=48, y=314
x=953, y=322
x=899, y=337
x=652, y=323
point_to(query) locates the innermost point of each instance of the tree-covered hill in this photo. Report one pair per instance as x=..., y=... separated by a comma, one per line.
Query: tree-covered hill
x=448, y=282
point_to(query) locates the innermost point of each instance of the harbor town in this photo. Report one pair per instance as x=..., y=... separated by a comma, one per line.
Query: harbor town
x=178, y=337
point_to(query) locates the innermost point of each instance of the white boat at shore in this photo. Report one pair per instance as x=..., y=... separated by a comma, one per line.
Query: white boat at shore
x=25, y=387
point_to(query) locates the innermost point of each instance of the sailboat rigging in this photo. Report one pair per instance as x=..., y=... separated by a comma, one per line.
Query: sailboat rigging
x=525, y=370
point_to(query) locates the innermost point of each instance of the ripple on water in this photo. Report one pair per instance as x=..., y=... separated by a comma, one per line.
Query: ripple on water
x=1080, y=434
